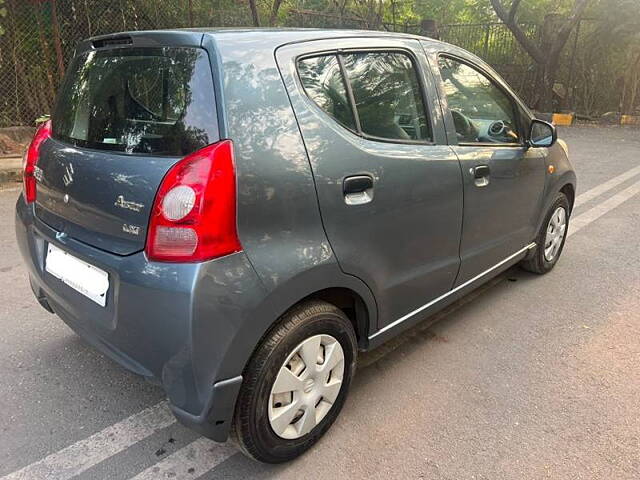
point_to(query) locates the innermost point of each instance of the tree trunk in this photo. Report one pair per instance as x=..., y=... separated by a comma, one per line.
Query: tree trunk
x=548, y=68
x=56, y=38
x=45, y=53
x=88, y=17
x=124, y=19
x=274, y=12
x=544, y=85
x=631, y=85
x=254, y=13
x=546, y=55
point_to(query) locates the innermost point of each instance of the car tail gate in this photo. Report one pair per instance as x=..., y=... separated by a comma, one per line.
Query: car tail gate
x=124, y=117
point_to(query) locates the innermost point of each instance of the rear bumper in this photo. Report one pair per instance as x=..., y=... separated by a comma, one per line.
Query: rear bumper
x=173, y=323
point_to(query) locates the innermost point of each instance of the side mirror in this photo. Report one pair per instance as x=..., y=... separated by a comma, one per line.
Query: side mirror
x=542, y=134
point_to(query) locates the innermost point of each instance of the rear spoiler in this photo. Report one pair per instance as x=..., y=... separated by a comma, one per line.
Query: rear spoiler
x=155, y=38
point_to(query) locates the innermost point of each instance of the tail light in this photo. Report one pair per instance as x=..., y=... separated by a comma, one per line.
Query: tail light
x=31, y=159
x=194, y=214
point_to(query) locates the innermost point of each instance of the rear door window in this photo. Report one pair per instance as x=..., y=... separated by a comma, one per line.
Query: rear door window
x=375, y=94
x=387, y=95
x=324, y=84
x=156, y=101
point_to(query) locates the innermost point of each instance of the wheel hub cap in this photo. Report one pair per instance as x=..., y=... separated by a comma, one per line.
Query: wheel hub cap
x=306, y=387
x=556, y=230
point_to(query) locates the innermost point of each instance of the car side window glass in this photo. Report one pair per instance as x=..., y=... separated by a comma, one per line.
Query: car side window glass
x=387, y=95
x=482, y=112
x=323, y=82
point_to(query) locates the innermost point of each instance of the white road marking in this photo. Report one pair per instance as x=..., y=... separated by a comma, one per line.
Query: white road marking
x=191, y=461
x=82, y=455
x=606, y=186
x=584, y=219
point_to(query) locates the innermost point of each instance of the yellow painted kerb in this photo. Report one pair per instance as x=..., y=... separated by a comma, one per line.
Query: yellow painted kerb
x=562, y=119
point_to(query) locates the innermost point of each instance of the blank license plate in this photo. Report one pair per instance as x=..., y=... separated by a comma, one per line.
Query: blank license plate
x=90, y=281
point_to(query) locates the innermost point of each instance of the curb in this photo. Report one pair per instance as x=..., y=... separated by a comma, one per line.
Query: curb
x=10, y=176
x=10, y=169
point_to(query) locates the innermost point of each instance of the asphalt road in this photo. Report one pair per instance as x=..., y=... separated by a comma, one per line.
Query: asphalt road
x=528, y=378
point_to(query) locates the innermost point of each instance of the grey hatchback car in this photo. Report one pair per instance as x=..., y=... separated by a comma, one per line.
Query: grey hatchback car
x=234, y=214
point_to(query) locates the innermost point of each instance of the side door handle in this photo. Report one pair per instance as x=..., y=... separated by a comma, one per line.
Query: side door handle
x=357, y=189
x=481, y=175
x=481, y=171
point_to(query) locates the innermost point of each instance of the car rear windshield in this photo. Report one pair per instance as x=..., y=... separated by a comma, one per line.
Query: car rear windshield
x=156, y=101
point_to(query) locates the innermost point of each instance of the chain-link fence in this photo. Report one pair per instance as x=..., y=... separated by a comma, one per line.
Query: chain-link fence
x=37, y=38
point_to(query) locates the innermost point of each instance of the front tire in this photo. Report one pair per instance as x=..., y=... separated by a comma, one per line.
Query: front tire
x=551, y=237
x=296, y=383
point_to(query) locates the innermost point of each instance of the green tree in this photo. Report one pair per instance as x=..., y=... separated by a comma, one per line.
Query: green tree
x=547, y=53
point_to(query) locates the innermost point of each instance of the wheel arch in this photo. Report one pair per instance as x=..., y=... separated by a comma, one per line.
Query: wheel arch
x=566, y=184
x=569, y=190
x=348, y=293
x=325, y=282
x=353, y=306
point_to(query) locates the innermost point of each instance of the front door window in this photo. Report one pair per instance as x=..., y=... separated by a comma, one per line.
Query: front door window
x=482, y=112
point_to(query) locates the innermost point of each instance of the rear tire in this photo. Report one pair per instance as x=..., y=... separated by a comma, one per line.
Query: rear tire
x=551, y=238
x=279, y=379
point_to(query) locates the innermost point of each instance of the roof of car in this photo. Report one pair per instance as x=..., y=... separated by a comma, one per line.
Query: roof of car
x=252, y=38
x=282, y=31
x=285, y=35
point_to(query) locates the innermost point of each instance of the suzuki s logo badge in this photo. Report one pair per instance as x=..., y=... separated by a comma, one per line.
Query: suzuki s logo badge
x=128, y=205
x=65, y=199
x=67, y=178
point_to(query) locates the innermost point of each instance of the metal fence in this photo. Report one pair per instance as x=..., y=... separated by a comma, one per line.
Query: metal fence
x=37, y=38
x=494, y=43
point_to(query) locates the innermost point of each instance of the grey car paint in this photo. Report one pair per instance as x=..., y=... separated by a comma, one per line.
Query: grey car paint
x=193, y=327
x=517, y=176
x=564, y=176
x=95, y=209
x=417, y=192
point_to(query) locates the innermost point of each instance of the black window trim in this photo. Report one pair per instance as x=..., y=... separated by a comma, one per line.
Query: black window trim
x=338, y=52
x=350, y=97
x=514, y=103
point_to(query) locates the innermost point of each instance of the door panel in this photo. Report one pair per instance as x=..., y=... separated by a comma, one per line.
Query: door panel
x=499, y=217
x=402, y=241
x=503, y=179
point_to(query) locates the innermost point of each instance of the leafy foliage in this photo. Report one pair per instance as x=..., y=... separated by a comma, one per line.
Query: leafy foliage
x=596, y=65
